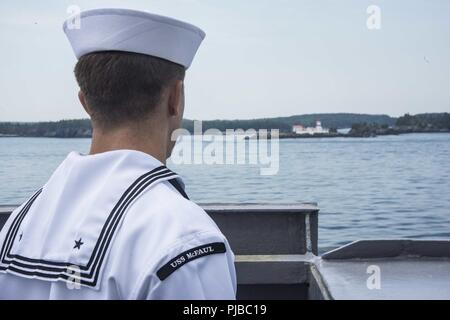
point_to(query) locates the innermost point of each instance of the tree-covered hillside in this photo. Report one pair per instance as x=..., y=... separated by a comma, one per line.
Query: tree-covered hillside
x=425, y=120
x=82, y=128
x=61, y=129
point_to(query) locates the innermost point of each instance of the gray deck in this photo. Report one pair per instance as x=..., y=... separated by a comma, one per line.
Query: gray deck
x=401, y=278
x=407, y=269
x=276, y=258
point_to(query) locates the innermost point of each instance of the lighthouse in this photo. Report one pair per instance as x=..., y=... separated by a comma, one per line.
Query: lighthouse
x=319, y=126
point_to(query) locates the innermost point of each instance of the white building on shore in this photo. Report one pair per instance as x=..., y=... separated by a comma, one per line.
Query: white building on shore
x=318, y=129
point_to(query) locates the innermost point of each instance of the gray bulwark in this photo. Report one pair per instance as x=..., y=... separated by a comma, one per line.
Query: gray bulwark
x=268, y=229
x=390, y=248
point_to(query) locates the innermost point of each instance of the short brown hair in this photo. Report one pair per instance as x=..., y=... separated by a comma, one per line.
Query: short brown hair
x=121, y=86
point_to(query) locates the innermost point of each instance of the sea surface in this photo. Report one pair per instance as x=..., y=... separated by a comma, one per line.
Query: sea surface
x=385, y=187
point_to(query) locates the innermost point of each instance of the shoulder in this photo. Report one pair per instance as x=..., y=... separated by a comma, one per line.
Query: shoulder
x=164, y=206
x=199, y=267
x=161, y=219
x=160, y=227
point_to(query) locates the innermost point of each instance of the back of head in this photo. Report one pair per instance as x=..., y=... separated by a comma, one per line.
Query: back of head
x=123, y=87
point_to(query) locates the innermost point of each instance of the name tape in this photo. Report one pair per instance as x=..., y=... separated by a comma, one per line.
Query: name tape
x=188, y=256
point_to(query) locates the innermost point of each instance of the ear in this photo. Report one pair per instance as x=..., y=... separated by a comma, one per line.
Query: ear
x=82, y=99
x=176, y=99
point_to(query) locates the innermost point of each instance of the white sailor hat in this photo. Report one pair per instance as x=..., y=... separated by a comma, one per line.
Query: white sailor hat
x=133, y=31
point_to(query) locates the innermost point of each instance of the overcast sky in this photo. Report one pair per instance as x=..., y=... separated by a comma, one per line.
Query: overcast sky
x=260, y=58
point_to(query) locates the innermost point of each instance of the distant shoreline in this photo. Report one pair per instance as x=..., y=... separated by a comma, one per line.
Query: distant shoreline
x=361, y=126
x=281, y=136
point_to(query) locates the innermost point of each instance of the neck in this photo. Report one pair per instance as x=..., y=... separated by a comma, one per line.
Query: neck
x=137, y=137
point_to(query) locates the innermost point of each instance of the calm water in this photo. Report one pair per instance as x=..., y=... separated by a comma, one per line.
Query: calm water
x=386, y=187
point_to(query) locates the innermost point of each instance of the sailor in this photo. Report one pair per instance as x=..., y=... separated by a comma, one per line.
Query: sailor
x=116, y=223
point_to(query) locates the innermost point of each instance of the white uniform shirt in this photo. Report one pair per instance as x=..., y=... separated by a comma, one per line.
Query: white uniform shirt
x=113, y=226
